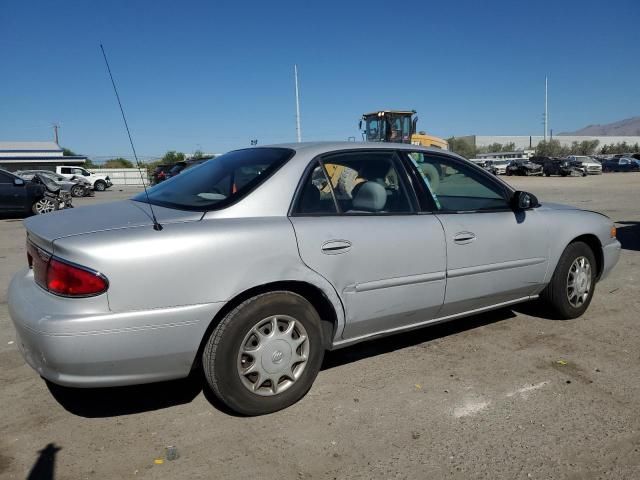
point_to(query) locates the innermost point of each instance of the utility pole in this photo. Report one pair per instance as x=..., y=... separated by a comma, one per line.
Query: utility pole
x=55, y=132
x=546, y=110
x=298, y=130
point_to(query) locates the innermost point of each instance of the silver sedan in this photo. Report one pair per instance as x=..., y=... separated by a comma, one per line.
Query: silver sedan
x=252, y=265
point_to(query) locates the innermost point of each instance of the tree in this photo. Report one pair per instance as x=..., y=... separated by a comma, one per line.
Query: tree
x=172, y=157
x=551, y=148
x=493, y=148
x=118, y=163
x=509, y=147
x=586, y=147
x=462, y=147
x=197, y=155
x=68, y=152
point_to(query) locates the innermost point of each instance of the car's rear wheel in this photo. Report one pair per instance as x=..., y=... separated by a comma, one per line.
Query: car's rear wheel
x=571, y=288
x=100, y=186
x=265, y=354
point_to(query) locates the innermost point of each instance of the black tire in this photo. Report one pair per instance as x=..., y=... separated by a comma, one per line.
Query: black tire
x=548, y=174
x=221, y=352
x=555, y=293
x=77, y=191
x=100, y=186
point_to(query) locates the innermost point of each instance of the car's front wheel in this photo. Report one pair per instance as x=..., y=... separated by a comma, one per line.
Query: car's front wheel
x=265, y=354
x=100, y=186
x=571, y=288
x=77, y=191
x=44, y=205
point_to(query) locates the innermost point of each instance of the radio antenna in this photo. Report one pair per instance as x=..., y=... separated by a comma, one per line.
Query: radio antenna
x=156, y=224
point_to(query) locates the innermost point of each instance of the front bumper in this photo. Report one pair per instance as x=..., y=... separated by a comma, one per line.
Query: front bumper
x=80, y=343
x=610, y=255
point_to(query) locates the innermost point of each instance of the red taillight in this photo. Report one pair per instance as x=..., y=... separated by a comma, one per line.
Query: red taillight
x=71, y=281
x=62, y=278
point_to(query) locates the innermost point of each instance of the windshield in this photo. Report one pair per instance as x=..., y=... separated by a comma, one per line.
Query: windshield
x=219, y=182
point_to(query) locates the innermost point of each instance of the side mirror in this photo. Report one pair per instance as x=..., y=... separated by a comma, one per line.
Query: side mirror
x=18, y=182
x=524, y=201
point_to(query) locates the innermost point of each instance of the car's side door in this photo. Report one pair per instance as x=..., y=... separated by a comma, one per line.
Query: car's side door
x=12, y=196
x=495, y=255
x=357, y=224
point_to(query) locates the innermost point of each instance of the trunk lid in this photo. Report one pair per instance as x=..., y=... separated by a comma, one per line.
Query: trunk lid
x=45, y=229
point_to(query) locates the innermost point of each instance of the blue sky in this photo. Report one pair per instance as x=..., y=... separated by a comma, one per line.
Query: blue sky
x=214, y=74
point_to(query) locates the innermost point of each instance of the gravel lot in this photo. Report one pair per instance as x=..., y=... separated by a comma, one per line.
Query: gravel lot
x=508, y=394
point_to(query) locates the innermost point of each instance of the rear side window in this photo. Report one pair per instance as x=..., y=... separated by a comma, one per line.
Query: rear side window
x=355, y=183
x=220, y=182
x=65, y=170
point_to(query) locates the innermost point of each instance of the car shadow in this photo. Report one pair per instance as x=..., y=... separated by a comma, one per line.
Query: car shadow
x=411, y=338
x=14, y=217
x=116, y=401
x=629, y=235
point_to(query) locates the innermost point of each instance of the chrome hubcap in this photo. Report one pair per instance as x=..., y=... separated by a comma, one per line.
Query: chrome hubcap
x=273, y=355
x=579, y=281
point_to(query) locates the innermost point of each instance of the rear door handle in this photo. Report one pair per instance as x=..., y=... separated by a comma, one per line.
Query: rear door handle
x=462, y=238
x=333, y=247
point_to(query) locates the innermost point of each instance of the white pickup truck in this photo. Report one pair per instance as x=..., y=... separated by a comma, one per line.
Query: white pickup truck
x=99, y=182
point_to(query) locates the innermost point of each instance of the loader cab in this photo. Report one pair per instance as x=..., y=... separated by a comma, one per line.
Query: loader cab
x=389, y=126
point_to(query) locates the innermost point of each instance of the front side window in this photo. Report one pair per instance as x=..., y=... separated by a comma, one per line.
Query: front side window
x=456, y=187
x=355, y=183
x=220, y=182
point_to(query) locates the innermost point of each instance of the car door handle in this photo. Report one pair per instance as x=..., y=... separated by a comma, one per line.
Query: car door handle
x=333, y=247
x=462, y=238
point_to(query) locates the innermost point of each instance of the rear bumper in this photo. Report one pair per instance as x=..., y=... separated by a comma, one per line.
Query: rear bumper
x=610, y=255
x=85, y=347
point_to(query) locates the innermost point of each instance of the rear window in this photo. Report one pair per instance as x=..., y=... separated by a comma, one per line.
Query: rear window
x=218, y=182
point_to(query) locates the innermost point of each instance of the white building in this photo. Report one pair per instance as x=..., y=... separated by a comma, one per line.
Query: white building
x=35, y=155
x=530, y=141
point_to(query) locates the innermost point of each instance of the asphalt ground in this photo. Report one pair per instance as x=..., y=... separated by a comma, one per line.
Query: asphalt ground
x=507, y=394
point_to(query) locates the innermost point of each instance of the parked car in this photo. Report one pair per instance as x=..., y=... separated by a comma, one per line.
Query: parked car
x=621, y=164
x=523, y=167
x=18, y=195
x=497, y=167
x=159, y=174
x=175, y=169
x=77, y=186
x=39, y=195
x=178, y=167
x=563, y=168
x=589, y=165
x=253, y=267
x=55, y=198
x=100, y=182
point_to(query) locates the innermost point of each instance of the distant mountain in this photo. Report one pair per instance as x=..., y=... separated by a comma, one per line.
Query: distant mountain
x=630, y=126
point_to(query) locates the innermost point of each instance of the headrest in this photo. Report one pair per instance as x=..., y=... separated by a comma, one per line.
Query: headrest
x=371, y=197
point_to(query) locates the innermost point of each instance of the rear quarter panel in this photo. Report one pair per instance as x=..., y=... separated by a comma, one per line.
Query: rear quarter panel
x=192, y=263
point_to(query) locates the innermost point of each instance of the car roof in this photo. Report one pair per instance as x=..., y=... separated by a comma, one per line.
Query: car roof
x=318, y=148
